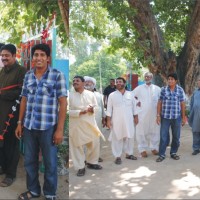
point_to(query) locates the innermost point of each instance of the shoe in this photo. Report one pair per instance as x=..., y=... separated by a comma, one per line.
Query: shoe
x=175, y=157
x=7, y=182
x=144, y=154
x=160, y=159
x=81, y=172
x=154, y=152
x=131, y=157
x=118, y=161
x=195, y=152
x=94, y=166
x=100, y=159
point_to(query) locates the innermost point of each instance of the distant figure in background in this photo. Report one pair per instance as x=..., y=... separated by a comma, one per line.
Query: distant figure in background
x=109, y=89
x=147, y=130
x=1, y=63
x=194, y=118
x=100, y=115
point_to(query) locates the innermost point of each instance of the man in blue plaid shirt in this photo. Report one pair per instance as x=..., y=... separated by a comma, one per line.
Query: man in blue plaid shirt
x=42, y=113
x=170, y=110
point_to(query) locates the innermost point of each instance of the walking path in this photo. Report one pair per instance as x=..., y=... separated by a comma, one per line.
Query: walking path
x=19, y=185
x=141, y=179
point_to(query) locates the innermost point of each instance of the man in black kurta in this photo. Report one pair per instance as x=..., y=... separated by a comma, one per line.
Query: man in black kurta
x=11, y=80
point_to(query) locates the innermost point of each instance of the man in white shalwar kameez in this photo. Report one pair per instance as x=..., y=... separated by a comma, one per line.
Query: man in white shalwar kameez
x=83, y=130
x=121, y=119
x=100, y=115
x=147, y=130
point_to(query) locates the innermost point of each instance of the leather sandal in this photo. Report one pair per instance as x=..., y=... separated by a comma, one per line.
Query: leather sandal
x=81, y=172
x=175, y=156
x=27, y=196
x=7, y=182
x=118, y=161
x=131, y=157
x=94, y=166
x=160, y=159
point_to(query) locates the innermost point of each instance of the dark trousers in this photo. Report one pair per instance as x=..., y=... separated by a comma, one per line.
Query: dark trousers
x=9, y=153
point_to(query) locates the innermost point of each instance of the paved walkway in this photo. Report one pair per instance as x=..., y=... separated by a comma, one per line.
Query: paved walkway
x=141, y=179
x=19, y=185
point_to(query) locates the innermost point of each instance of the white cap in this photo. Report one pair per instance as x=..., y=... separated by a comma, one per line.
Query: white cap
x=88, y=78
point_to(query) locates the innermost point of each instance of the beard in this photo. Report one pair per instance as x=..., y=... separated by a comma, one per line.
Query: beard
x=89, y=87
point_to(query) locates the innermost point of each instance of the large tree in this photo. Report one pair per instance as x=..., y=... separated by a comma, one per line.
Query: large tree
x=19, y=16
x=163, y=35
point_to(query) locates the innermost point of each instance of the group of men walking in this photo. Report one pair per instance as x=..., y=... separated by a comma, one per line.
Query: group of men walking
x=148, y=111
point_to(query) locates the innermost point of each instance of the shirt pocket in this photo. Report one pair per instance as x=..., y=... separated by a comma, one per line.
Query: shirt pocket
x=31, y=88
x=128, y=101
x=48, y=89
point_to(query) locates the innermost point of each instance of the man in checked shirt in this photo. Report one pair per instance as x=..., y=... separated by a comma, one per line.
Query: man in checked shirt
x=170, y=113
x=42, y=113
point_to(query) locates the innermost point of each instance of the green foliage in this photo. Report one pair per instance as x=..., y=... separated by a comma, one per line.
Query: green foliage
x=19, y=16
x=173, y=18
x=111, y=66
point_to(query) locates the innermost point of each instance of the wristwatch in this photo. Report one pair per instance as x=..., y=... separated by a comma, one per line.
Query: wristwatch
x=19, y=122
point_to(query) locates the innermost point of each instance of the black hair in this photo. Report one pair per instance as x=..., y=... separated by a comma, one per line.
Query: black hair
x=9, y=47
x=121, y=78
x=81, y=77
x=173, y=75
x=1, y=44
x=43, y=47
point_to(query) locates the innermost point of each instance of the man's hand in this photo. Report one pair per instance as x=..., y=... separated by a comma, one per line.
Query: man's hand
x=136, y=120
x=158, y=120
x=90, y=109
x=108, y=123
x=18, y=131
x=183, y=121
x=58, y=137
x=103, y=121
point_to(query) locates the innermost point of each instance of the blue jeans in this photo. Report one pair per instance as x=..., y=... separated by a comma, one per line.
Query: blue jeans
x=33, y=141
x=196, y=140
x=175, y=125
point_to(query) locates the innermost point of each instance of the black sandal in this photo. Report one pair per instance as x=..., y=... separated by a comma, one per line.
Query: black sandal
x=27, y=196
x=175, y=156
x=160, y=159
x=118, y=161
x=94, y=166
x=131, y=157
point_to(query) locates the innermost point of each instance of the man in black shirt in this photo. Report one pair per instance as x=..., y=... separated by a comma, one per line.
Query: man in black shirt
x=109, y=89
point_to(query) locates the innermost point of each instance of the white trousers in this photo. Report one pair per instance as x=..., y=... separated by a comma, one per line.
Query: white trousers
x=125, y=144
x=79, y=156
x=147, y=138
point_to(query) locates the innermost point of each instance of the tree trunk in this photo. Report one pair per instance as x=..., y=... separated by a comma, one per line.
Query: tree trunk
x=64, y=10
x=163, y=62
x=189, y=60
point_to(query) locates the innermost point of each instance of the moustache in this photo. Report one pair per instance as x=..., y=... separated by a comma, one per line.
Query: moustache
x=4, y=60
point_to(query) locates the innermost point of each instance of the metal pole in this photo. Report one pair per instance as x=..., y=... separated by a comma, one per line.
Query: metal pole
x=53, y=56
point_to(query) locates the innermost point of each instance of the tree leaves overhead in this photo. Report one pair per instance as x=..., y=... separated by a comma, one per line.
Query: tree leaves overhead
x=173, y=18
x=19, y=16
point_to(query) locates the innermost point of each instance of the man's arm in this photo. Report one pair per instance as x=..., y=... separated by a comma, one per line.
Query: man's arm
x=159, y=108
x=18, y=131
x=58, y=135
x=183, y=113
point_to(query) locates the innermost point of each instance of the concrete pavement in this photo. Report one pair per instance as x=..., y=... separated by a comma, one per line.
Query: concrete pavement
x=19, y=185
x=143, y=178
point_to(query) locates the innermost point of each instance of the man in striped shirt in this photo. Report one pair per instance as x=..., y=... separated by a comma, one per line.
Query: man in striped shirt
x=170, y=110
x=42, y=113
